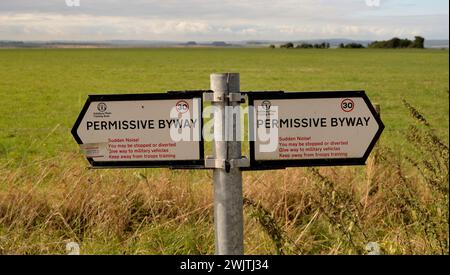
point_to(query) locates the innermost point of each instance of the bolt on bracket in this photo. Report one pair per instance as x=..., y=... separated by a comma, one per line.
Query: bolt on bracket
x=210, y=162
x=232, y=97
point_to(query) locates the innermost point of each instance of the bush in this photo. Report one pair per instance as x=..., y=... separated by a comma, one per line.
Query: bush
x=305, y=46
x=323, y=45
x=287, y=46
x=351, y=46
x=419, y=43
x=397, y=43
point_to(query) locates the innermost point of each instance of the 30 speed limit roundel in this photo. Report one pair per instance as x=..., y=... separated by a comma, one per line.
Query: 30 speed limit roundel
x=347, y=105
x=182, y=106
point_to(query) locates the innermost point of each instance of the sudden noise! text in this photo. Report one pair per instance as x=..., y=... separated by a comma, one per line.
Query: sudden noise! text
x=114, y=125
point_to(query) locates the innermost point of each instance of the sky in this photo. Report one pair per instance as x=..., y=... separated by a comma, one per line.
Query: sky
x=212, y=20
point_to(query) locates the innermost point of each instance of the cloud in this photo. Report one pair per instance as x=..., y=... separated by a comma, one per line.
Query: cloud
x=215, y=20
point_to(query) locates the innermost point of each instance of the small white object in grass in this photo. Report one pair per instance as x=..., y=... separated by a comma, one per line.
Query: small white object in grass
x=73, y=248
x=373, y=248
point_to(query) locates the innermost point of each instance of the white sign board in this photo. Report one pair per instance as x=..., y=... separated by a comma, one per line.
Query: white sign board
x=148, y=130
x=305, y=129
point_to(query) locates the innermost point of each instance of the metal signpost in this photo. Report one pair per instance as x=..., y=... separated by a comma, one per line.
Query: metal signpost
x=228, y=197
x=285, y=130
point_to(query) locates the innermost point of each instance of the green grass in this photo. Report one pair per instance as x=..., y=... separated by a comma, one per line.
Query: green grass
x=43, y=90
x=48, y=198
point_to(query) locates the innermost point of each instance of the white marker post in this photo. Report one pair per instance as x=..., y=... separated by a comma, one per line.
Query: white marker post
x=228, y=198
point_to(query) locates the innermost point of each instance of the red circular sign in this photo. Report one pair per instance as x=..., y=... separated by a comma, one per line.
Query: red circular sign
x=182, y=107
x=347, y=105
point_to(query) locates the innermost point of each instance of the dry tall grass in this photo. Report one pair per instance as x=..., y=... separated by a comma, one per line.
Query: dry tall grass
x=399, y=201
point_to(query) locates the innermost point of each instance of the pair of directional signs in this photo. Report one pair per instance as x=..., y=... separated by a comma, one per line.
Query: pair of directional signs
x=286, y=129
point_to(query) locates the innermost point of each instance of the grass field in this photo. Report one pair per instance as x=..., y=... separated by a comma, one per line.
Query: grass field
x=48, y=197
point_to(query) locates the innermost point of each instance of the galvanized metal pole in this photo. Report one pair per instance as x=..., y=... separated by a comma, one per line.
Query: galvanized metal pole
x=228, y=197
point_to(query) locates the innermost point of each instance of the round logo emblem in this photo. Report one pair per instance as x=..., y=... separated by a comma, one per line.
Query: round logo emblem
x=266, y=105
x=101, y=107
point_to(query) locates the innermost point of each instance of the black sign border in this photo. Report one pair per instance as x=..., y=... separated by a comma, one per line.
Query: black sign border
x=281, y=164
x=175, y=164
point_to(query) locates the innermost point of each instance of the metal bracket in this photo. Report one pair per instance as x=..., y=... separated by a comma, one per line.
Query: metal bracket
x=240, y=163
x=232, y=97
x=236, y=97
x=210, y=162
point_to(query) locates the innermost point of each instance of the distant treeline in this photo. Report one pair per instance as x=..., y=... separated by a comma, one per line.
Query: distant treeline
x=394, y=43
x=397, y=43
x=17, y=44
x=21, y=44
x=351, y=46
x=324, y=45
x=291, y=45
